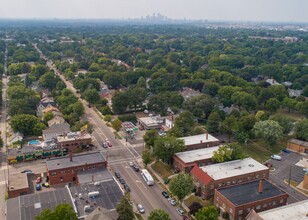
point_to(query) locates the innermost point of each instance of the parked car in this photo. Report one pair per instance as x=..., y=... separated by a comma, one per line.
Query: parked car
x=38, y=180
x=117, y=174
x=276, y=157
x=126, y=187
x=108, y=142
x=140, y=208
x=180, y=211
x=305, y=170
x=136, y=168
x=131, y=163
x=38, y=187
x=268, y=164
x=165, y=194
x=286, y=150
x=104, y=144
x=122, y=181
x=26, y=171
x=45, y=185
x=172, y=202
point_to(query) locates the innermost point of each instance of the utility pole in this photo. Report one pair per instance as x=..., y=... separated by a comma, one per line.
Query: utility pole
x=290, y=173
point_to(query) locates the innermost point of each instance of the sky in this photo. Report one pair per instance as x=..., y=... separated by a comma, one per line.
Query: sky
x=224, y=10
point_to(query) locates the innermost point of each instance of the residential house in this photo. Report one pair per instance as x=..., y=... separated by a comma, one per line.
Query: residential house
x=199, y=141
x=188, y=93
x=186, y=160
x=258, y=195
x=50, y=109
x=56, y=120
x=65, y=169
x=295, y=92
x=50, y=134
x=215, y=176
x=18, y=136
x=44, y=103
x=169, y=121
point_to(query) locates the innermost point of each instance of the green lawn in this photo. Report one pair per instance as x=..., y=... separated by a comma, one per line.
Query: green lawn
x=190, y=200
x=261, y=151
x=138, y=216
x=292, y=115
x=162, y=169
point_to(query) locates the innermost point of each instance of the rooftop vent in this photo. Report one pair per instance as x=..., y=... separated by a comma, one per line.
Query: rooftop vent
x=251, y=165
x=238, y=167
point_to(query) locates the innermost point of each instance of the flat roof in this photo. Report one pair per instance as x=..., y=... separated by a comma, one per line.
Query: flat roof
x=149, y=121
x=18, y=181
x=72, y=138
x=197, y=139
x=299, y=142
x=298, y=211
x=28, y=206
x=97, y=175
x=108, y=198
x=249, y=192
x=196, y=155
x=233, y=168
x=78, y=159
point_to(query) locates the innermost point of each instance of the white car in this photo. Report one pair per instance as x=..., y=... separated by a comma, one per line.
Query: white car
x=305, y=170
x=180, y=211
x=140, y=208
x=131, y=163
x=276, y=157
x=172, y=202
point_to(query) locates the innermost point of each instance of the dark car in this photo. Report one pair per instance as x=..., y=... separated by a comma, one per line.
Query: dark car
x=122, y=181
x=165, y=194
x=117, y=174
x=126, y=187
x=286, y=150
x=136, y=168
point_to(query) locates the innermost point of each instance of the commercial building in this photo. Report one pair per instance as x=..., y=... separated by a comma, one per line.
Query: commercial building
x=298, y=145
x=65, y=169
x=260, y=195
x=199, y=141
x=74, y=141
x=186, y=160
x=211, y=177
x=153, y=122
x=298, y=211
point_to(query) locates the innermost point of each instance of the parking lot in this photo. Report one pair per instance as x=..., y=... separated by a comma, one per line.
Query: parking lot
x=285, y=169
x=37, y=167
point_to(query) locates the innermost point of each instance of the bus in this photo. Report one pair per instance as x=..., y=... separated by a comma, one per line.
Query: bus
x=147, y=177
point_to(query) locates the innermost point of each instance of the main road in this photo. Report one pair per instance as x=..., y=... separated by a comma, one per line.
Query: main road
x=119, y=155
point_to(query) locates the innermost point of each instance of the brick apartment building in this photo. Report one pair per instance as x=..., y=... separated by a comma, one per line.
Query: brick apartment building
x=73, y=141
x=65, y=169
x=199, y=141
x=211, y=177
x=298, y=145
x=186, y=160
x=239, y=200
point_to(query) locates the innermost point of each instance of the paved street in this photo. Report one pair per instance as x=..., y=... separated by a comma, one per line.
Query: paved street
x=118, y=155
x=283, y=170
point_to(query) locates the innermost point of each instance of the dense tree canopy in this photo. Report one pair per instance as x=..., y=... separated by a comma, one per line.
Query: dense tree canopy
x=61, y=212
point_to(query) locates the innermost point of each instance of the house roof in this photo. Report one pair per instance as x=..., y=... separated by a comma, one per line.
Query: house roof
x=197, y=139
x=299, y=142
x=233, y=168
x=55, y=120
x=196, y=155
x=77, y=160
x=15, y=135
x=202, y=176
x=102, y=214
x=58, y=129
x=50, y=108
x=249, y=192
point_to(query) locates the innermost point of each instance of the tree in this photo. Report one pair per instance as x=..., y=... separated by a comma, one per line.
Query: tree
x=150, y=137
x=285, y=122
x=225, y=93
x=301, y=130
x=213, y=122
x=159, y=214
x=120, y=102
x=125, y=209
x=48, y=80
x=289, y=103
x=165, y=147
x=229, y=125
x=146, y=157
x=25, y=124
x=228, y=153
x=92, y=95
x=116, y=124
x=47, y=116
x=181, y=185
x=207, y=213
x=61, y=212
x=268, y=130
x=184, y=123
x=201, y=106
x=193, y=208
x=272, y=104
x=245, y=100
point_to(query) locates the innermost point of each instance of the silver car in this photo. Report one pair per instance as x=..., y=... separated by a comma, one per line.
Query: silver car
x=140, y=208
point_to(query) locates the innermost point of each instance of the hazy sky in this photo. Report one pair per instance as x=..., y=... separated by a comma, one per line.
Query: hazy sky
x=240, y=10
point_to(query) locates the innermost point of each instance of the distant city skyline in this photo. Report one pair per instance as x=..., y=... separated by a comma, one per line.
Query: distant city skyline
x=224, y=10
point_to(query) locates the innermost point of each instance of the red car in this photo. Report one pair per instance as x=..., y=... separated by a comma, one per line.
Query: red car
x=108, y=142
x=38, y=180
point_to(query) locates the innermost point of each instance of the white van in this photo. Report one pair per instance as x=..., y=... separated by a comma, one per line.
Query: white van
x=276, y=157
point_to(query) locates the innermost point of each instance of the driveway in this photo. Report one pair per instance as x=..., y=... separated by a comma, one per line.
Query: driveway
x=286, y=169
